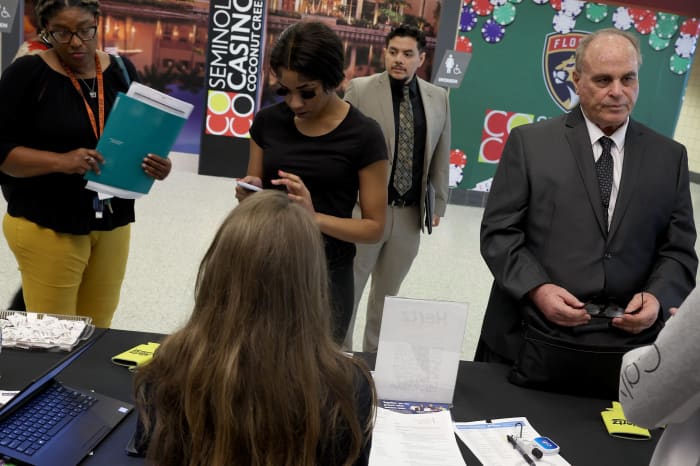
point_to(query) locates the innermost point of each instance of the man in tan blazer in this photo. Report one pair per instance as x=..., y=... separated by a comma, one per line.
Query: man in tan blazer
x=418, y=140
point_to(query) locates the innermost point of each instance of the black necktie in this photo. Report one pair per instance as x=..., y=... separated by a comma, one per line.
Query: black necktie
x=604, y=168
x=403, y=173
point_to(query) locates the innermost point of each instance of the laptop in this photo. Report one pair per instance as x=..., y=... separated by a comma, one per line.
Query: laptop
x=47, y=423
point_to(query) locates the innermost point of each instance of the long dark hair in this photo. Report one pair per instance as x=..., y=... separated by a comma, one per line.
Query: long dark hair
x=254, y=377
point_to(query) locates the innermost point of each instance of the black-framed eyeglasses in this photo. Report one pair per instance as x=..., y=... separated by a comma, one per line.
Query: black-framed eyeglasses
x=306, y=94
x=607, y=310
x=64, y=36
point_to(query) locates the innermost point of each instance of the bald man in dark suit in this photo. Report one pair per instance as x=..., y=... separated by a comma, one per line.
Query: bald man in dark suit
x=555, y=234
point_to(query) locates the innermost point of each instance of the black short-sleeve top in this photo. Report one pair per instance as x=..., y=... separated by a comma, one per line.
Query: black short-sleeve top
x=328, y=164
x=42, y=110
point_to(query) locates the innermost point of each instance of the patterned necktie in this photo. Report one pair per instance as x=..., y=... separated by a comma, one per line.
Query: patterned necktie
x=604, y=168
x=403, y=174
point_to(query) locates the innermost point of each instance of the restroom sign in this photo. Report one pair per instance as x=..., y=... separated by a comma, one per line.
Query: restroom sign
x=8, y=9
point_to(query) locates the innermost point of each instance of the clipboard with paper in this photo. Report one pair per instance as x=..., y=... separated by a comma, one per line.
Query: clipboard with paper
x=142, y=121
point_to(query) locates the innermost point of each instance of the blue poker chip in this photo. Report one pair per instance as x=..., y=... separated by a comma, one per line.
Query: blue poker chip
x=622, y=19
x=468, y=19
x=685, y=45
x=563, y=23
x=492, y=32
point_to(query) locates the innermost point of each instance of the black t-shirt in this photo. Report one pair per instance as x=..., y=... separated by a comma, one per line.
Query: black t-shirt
x=328, y=164
x=42, y=110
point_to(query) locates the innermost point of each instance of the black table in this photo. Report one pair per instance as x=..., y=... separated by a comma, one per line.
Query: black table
x=482, y=392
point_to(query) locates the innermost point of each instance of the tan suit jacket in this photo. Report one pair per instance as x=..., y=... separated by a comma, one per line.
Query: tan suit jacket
x=372, y=96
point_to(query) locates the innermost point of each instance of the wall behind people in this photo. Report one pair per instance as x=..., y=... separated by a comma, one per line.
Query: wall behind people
x=689, y=121
x=521, y=67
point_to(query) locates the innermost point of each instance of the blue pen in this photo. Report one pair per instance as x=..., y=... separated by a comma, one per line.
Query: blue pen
x=515, y=444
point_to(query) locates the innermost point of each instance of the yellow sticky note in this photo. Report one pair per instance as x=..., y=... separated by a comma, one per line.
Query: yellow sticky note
x=137, y=356
x=619, y=426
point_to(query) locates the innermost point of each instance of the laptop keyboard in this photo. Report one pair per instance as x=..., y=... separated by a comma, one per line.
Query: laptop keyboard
x=34, y=424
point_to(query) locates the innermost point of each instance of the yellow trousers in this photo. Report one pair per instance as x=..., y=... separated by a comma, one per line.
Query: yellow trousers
x=69, y=274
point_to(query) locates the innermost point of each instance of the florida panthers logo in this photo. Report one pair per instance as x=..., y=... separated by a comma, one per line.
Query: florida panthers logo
x=558, y=64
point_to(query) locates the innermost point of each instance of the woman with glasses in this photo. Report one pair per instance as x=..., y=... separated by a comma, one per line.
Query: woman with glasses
x=71, y=246
x=254, y=378
x=323, y=151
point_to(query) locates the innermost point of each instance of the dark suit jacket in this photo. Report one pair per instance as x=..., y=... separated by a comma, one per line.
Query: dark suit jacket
x=544, y=223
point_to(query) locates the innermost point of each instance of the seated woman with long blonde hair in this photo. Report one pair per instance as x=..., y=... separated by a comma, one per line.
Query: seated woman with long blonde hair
x=254, y=377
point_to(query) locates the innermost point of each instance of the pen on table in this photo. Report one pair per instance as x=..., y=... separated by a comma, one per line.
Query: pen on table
x=524, y=454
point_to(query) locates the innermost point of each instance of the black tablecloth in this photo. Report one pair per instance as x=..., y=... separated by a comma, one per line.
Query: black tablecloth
x=481, y=392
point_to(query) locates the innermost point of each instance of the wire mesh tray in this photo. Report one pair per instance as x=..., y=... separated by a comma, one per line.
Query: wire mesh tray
x=31, y=330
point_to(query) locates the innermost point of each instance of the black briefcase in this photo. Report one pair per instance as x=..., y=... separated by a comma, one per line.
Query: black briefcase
x=583, y=360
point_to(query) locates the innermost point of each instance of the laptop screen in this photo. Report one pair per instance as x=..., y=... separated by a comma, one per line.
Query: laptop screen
x=46, y=377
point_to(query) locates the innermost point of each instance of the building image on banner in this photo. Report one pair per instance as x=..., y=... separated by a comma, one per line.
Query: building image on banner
x=522, y=65
x=166, y=41
x=239, y=81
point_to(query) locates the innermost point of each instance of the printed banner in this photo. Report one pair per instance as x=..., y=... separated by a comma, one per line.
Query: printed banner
x=521, y=72
x=233, y=84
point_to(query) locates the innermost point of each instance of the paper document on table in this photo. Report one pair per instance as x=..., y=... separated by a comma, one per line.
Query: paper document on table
x=487, y=441
x=420, y=342
x=414, y=440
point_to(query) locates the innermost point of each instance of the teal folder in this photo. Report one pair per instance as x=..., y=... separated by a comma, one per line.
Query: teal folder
x=133, y=130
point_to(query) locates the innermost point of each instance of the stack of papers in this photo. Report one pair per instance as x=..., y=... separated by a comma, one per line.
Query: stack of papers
x=424, y=439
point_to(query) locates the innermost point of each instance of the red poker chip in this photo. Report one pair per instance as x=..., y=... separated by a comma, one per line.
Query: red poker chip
x=464, y=44
x=645, y=24
x=638, y=13
x=482, y=7
x=691, y=26
x=556, y=4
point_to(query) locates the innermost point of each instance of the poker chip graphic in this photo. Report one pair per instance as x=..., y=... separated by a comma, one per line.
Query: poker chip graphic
x=622, y=19
x=498, y=2
x=572, y=7
x=644, y=23
x=596, y=12
x=685, y=45
x=658, y=43
x=482, y=7
x=563, y=23
x=540, y=2
x=691, y=26
x=505, y=14
x=556, y=4
x=666, y=25
x=515, y=1
x=492, y=32
x=464, y=44
x=466, y=3
x=679, y=65
x=468, y=19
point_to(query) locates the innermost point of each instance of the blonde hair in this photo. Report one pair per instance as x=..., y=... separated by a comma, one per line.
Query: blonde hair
x=254, y=377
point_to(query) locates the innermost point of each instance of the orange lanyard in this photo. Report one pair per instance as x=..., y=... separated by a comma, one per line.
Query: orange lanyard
x=100, y=96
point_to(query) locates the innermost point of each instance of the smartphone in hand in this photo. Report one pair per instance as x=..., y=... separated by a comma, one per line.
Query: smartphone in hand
x=248, y=186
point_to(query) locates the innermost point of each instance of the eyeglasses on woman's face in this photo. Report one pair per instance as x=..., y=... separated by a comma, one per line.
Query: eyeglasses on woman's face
x=64, y=36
